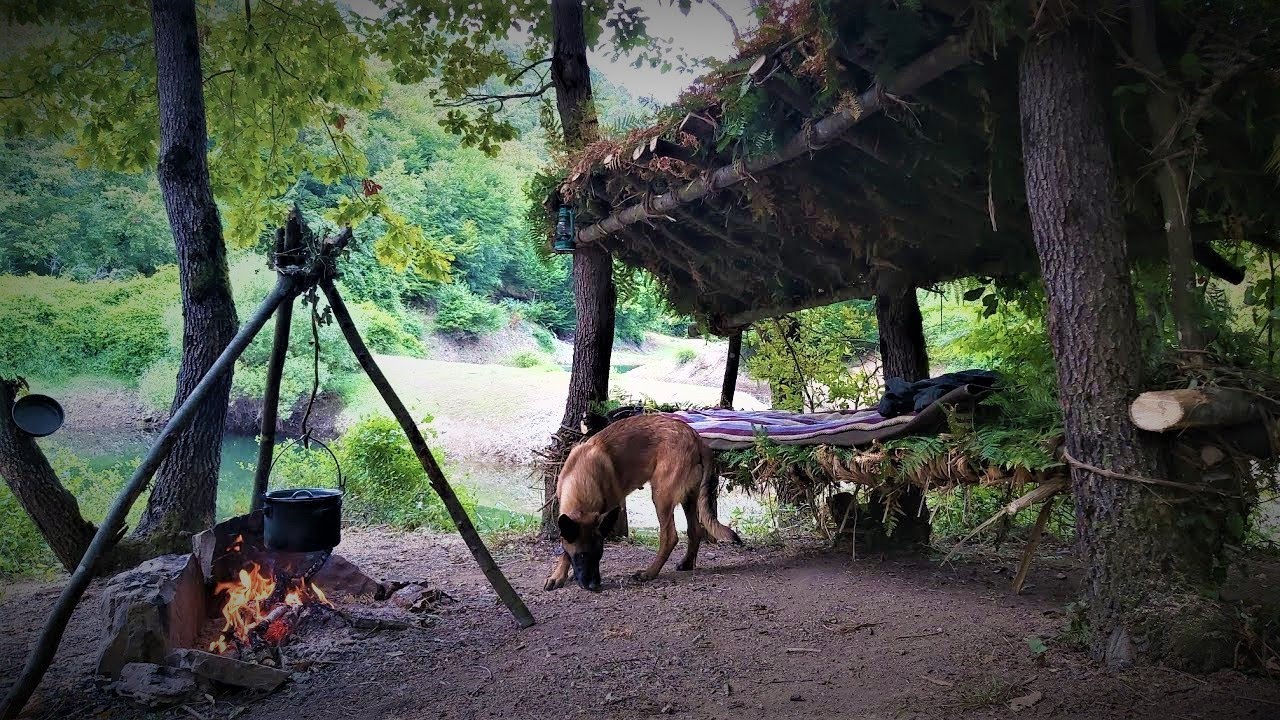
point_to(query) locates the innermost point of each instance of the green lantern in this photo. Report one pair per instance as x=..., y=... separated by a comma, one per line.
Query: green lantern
x=565, y=231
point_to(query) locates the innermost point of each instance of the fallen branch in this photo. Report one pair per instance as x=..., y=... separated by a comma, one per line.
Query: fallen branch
x=1042, y=492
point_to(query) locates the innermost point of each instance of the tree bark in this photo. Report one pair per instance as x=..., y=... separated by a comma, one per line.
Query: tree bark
x=1171, y=179
x=33, y=482
x=902, y=348
x=1130, y=540
x=183, y=499
x=730, y=384
x=593, y=288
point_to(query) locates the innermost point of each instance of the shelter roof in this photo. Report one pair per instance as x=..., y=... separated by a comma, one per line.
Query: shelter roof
x=855, y=145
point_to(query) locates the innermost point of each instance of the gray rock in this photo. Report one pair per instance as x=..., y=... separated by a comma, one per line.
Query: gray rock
x=150, y=610
x=228, y=671
x=340, y=576
x=155, y=685
x=409, y=596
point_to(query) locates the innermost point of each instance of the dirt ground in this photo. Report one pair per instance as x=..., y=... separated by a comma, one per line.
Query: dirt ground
x=759, y=632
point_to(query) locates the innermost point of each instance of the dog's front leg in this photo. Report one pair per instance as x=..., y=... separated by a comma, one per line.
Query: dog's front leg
x=559, y=574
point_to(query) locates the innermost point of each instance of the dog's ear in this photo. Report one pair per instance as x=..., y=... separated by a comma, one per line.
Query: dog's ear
x=569, y=529
x=608, y=520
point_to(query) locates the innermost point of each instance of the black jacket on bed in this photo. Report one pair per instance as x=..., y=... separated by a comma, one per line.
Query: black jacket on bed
x=902, y=397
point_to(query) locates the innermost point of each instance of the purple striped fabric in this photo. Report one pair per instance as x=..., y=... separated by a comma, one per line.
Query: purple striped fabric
x=723, y=428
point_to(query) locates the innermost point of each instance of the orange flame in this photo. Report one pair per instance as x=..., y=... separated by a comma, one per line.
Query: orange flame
x=248, y=603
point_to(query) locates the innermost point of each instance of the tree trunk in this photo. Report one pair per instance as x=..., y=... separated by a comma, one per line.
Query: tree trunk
x=33, y=482
x=1130, y=539
x=183, y=499
x=1171, y=180
x=731, y=362
x=594, y=292
x=902, y=349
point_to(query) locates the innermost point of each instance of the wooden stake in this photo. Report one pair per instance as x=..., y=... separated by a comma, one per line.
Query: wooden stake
x=288, y=245
x=1033, y=542
x=113, y=525
x=438, y=482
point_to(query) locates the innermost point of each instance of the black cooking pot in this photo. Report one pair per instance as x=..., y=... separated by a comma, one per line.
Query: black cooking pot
x=304, y=519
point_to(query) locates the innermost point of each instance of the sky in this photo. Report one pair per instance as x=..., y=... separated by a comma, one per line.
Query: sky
x=701, y=33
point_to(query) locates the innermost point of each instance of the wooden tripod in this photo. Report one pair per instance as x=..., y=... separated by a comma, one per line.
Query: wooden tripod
x=297, y=274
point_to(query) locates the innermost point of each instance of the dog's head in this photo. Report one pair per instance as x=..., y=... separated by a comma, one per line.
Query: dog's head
x=583, y=541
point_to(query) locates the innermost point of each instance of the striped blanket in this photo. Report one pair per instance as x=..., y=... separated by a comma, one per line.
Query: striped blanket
x=732, y=429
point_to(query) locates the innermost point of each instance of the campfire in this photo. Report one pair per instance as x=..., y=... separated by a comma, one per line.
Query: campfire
x=220, y=618
x=261, y=608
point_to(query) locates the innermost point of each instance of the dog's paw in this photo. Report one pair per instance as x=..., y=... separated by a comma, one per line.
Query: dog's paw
x=685, y=566
x=554, y=583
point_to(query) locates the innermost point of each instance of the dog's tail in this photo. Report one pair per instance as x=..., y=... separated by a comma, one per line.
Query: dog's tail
x=707, y=491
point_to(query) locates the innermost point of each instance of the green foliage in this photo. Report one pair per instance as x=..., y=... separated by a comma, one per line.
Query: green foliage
x=385, y=482
x=461, y=312
x=528, y=359
x=55, y=328
x=386, y=333
x=285, y=88
x=60, y=220
x=685, y=356
x=158, y=384
x=806, y=357
x=546, y=342
x=22, y=550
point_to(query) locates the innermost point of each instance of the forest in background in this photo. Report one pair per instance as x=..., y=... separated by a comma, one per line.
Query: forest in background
x=88, y=287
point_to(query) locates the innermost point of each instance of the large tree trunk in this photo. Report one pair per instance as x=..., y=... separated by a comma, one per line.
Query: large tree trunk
x=185, y=491
x=594, y=292
x=1135, y=550
x=33, y=482
x=902, y=349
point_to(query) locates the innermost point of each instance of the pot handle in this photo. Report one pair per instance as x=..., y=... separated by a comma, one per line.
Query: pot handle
x=306, y=440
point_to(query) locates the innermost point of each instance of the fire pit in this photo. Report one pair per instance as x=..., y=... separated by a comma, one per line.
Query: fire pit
x=224, y=616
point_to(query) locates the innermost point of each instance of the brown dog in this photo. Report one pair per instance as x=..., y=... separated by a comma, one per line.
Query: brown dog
x=599, y=473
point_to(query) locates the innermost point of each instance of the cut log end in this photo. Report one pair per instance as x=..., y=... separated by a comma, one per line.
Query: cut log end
x=1167, y=410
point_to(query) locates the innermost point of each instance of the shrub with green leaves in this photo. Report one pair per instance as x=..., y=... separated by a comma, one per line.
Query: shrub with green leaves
x=685, y=356
x=527, y=359
x=461, y=312
x=385, y=482
x=55, y=328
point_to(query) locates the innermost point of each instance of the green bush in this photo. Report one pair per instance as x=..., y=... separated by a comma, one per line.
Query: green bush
x=461, y=312
x=544, y=338
x=22, y=551
x=55, y=328
x=385, y=482
x=686, y=356
x=387, y=333
x=527, y=359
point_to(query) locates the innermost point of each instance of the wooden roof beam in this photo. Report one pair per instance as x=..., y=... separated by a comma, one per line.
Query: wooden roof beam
x=949, y=55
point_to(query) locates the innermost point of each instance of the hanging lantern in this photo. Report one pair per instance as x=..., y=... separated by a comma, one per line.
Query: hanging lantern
x=565, y=231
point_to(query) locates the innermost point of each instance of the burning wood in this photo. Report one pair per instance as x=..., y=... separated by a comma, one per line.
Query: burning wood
x=262, y=608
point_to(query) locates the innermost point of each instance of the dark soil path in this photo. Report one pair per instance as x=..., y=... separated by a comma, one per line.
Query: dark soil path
x=782, y=632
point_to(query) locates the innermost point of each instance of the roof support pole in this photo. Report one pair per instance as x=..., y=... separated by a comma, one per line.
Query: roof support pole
x=730, y=383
